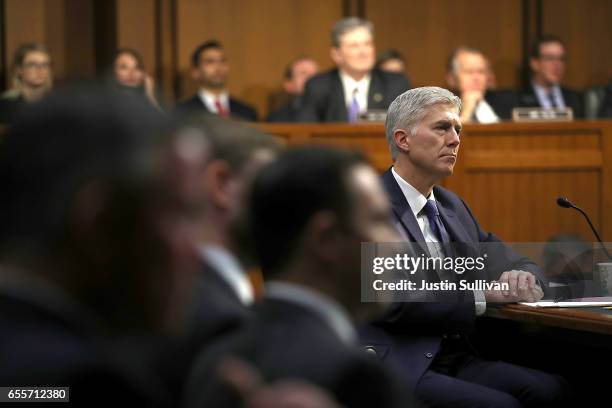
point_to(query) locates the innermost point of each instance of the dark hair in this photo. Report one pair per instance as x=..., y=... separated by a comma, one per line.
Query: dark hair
x=110, y=72
x=547, y=38
x=388, y=55
x=60, y=144
x=287, y=193
x=131, y=52
x=197, y=53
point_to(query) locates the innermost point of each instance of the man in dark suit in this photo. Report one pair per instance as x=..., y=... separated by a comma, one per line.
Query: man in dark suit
x=308, y=236
x=429, y=345
x=606, y=105
x=547, y=65
x=94, y=266
x=297, y=73
x=230, y=154
x=468, y=74
x=235, y=153
x=210, y=69
x=354, y=86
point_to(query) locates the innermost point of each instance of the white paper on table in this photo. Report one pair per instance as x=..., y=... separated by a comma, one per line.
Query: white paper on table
x=580, y=302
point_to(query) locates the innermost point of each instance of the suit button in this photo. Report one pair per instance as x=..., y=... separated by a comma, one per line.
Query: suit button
x=370, y=351
x=429, y=355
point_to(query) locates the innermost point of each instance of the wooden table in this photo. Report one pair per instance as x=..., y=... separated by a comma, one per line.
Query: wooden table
x=578, y=319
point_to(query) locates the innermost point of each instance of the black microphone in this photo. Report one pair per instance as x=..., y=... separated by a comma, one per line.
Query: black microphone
x=565, y=203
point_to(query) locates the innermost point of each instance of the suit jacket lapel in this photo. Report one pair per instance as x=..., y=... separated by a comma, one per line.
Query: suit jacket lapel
x=197, y=101
x=338, y=103
x=376, y=95
x=461, y=243
x=402, y=210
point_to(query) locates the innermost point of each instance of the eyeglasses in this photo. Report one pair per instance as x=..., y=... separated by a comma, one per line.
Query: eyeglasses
x=37, y=65
x=550, y=58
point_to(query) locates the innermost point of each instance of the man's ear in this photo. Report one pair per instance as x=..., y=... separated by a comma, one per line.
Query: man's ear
x=334, y=53
x=288, y=87
x=217, y=179
x=321, y=236
x=402, y=140
x=195, y=74
x=534, y=64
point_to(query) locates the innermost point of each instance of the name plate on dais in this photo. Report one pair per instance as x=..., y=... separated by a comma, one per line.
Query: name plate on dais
x=542, y=115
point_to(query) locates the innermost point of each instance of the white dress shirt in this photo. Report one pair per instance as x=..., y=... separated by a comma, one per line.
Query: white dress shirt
x=210, y=98
x=542, y=95
x=417, y=201
x=362, y=87
x=327, y=308
x=230, y=270
x=484, y=113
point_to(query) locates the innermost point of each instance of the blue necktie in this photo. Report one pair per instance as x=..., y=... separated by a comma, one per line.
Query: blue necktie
x=435, y=224
x=353, y=112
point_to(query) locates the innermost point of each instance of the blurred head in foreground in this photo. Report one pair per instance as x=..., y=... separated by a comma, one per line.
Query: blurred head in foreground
x=310, y=211
x=97, y=203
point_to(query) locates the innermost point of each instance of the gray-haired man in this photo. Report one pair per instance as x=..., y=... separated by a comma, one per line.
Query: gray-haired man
x=429, y=344
x=354, y=86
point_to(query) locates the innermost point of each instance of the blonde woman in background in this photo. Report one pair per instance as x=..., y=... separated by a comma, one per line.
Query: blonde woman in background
x=32, y=78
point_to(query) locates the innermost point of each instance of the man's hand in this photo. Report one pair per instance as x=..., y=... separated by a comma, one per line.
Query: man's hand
x=522, y=287
x=469, y=101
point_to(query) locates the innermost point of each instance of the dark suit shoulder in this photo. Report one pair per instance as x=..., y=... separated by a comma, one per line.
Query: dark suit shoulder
x=503, y=101
x=286, y=341
x=242, y=110
x=285, y=113
x=320, y=83
x=393, y=78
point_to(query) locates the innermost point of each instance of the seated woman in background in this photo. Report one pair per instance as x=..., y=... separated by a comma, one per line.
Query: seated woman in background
x=128, y=75
x=31, y=80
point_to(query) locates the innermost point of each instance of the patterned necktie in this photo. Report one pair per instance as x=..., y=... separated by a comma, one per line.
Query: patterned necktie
x=353, y=112
x=220, y=109
x=435, y=224
x=443, y=247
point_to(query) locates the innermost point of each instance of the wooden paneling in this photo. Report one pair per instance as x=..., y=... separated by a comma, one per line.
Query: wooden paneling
x=426, y=32
x=585, y=26
x=510, y=174
x=64, y=26
x=136, y=29
x=260, y=38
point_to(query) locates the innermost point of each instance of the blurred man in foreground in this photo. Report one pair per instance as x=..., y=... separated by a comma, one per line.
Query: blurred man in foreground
x=95, y=248
x=308, y=236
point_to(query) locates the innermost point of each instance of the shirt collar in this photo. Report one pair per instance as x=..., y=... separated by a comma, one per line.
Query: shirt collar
x=543, y=97
x=230, y=270
x=325, y=307
x=209, y=99
x=415, y=199
x=350, y=84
